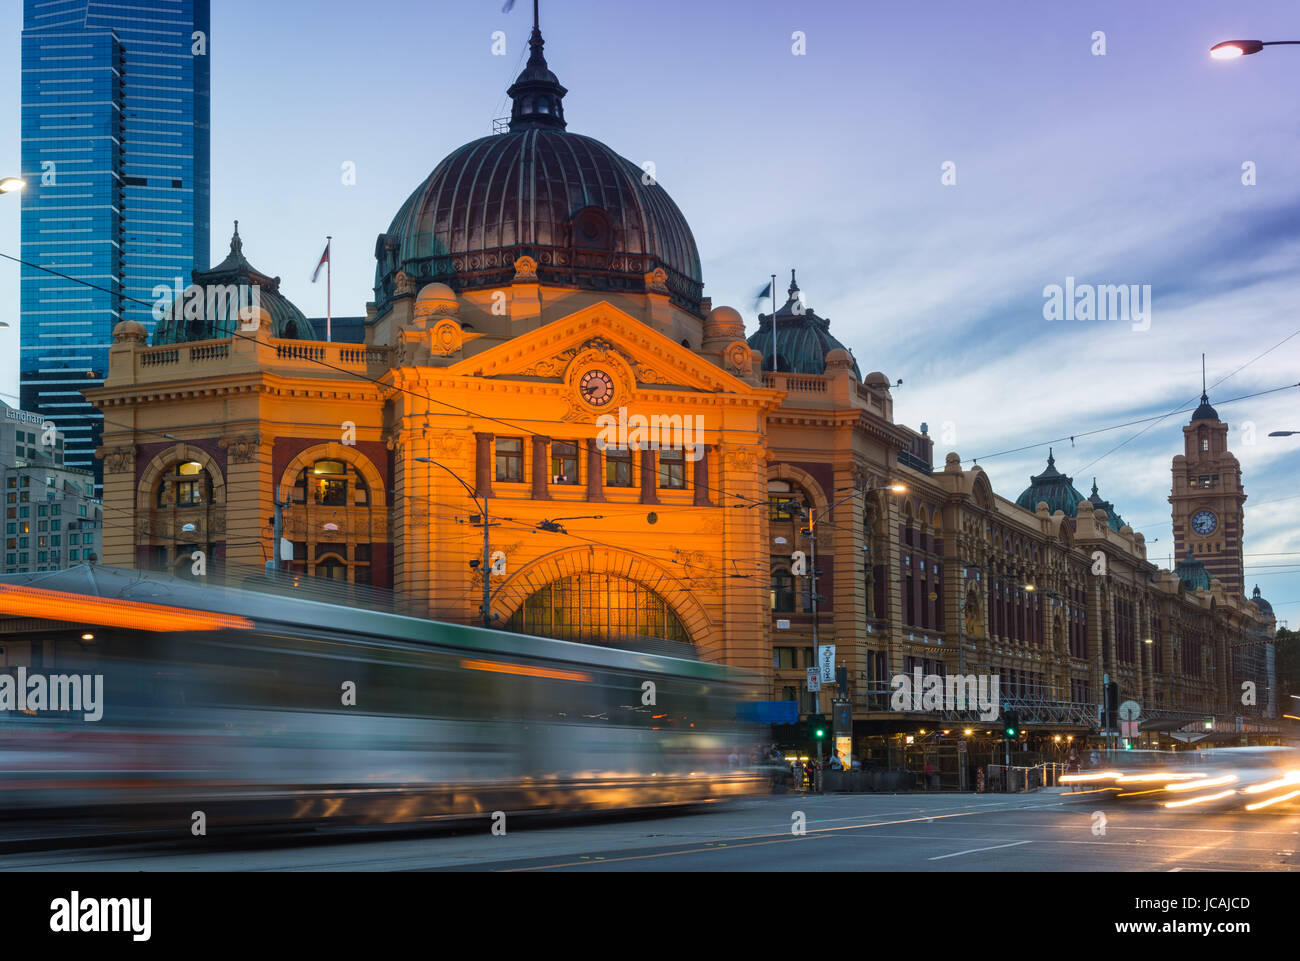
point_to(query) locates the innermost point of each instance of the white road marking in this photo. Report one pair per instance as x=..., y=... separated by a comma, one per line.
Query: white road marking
x=977, y=850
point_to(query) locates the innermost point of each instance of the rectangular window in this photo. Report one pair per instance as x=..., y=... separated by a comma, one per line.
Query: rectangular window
x=510, y=460
x=618, y=467
x=783, y=658
x=672, y=469
x=564, y=462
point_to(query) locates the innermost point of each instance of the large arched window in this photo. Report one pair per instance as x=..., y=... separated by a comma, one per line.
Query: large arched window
x=331, y=526
x=187, y=484
x=332, y=483
x=593, y=608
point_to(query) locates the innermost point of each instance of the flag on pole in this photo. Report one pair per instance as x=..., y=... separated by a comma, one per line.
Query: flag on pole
x=762, y=295
x=324, y=259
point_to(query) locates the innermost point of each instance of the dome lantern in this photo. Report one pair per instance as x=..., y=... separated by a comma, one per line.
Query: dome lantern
x=537, y=93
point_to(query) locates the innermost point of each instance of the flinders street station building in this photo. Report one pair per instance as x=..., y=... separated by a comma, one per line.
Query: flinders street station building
x=541, y=382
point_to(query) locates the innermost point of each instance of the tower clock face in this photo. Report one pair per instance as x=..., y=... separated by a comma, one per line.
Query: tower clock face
x=1204, y=522
x=596, y=387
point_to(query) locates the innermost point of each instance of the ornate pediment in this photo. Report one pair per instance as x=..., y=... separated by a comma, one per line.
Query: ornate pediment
x=655, y=361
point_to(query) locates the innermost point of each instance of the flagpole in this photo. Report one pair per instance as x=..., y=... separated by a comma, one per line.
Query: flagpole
x=329, y=293
x=773, y=292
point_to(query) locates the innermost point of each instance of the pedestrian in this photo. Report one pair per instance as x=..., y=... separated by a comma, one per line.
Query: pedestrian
x=836, y=765
x=1094, y=759
x=857, y=765
x=733, y=759
x=1072, y=767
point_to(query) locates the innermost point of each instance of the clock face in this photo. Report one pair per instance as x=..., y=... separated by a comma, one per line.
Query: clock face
x=596, y=387
x=1204, y=522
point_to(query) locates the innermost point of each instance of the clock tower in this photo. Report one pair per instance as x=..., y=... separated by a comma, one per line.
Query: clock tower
x=1207, y=498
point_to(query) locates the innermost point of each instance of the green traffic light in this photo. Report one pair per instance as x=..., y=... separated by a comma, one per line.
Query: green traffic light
x=821, y=733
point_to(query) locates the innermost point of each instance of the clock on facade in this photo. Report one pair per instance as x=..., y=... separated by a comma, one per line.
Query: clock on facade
x=1204, y=522
x=596, y=387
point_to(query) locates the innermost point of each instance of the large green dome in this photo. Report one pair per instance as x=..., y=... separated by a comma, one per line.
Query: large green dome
x=802, y=338
x=589, y=217
x=1055, y=488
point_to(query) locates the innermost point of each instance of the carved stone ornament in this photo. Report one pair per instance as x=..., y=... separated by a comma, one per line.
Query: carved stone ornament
x=402, y=350
x=242, y=450
x=576, y=413
x=525, y=270
x=447, y=338
x=119, y=460
x=741, y=458
x=403, y=283
x=447, y=445
x=552, y=366
x=657, y=281
x=648, y=375
x=739, y=357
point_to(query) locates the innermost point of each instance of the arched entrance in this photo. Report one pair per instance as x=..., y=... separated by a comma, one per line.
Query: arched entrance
x=596, y=607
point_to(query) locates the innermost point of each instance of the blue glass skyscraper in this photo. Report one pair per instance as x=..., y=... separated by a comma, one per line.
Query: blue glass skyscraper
x=115, y=152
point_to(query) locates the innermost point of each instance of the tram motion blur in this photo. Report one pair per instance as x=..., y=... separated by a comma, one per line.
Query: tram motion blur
x=259, y=709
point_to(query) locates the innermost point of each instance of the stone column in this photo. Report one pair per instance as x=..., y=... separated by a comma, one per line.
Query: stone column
x=700, y=477
x=541, y=477
x=649, y=477
x=483, y=464
x=595, y=480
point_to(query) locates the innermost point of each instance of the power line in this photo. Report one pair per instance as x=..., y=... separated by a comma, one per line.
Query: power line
x=1131, y=423
x=1171, y=413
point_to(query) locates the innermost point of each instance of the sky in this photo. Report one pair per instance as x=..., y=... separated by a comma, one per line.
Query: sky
x=1122, y=167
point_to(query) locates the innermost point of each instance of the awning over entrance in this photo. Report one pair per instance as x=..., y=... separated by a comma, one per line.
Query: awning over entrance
x=768, y=712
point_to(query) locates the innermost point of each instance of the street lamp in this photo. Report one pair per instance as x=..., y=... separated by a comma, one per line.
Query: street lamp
x=487, y=554
x=1232, y=49
x=1283, y=433
x=11, y=185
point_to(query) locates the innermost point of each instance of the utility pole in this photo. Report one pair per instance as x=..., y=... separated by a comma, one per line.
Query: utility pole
x=277, y=532
x=486, y=563
x=485, y=610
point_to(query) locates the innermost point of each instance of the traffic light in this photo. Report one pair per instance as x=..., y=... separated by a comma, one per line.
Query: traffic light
x=817, y=727
x=1011, y=725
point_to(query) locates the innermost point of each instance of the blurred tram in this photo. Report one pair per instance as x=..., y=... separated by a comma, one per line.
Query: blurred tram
x=258, y=708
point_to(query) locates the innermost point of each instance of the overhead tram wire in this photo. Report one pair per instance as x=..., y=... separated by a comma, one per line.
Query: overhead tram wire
x=235, y=333
x=1131, y=423
x=1171, y=413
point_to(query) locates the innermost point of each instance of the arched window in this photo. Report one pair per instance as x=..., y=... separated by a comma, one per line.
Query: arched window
x=187, y=484
x=332, y=483
x=594, y=608
x=331, y=531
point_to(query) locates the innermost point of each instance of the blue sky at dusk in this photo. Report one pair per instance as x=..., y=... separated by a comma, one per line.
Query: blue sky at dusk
x=1117, y=169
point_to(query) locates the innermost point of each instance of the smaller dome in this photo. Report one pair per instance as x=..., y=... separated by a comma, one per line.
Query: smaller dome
x=130, y=330
x=436, y=298
x=1192, y=573
x=1264, y=606
x=839, y=357
x=877, y=381
x=724, y=323
x=220, y=302
x=803, y=339
x=1055, y=488
x=1112, y=517
x=1205, y=411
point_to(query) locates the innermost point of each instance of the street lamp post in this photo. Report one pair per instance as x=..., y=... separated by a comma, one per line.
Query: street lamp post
x=1232, y=49
x=11, y=185
x=1283, y=433
x=487, y=553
